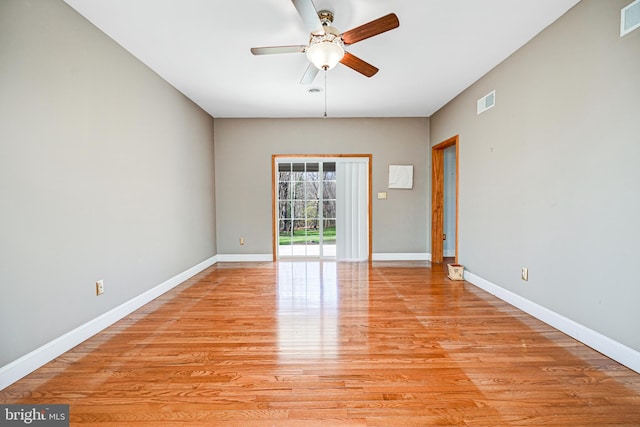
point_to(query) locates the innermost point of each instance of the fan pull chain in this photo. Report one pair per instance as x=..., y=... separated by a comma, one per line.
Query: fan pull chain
x=325, y=93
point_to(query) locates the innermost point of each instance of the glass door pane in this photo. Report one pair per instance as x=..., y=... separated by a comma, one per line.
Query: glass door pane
x=299, y=234
x=306, y=207
x=285, y=208
x=329, y=209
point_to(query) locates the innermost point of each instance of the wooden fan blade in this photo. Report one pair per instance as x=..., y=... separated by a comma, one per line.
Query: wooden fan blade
x=358, y=65
x=278, y=49
x=309, y=75
x=370, y=29
x=309, y=15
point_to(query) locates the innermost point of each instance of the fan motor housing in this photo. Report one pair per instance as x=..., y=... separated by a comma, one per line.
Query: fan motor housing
x=326, y=17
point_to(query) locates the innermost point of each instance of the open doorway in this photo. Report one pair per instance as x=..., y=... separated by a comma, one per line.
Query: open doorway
x=440, y=179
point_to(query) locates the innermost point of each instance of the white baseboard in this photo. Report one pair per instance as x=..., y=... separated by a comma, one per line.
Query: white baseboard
x=449, y=253
x=28, y=363
x=401, y=257
x=245, y=257
x=605, y=345
x=375, y=257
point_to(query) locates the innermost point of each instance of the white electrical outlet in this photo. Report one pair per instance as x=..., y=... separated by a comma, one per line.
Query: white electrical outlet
x=99, y=287
x=525, y=273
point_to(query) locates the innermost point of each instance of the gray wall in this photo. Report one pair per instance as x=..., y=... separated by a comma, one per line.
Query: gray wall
x=243, y=175
x=549, y=178
x=106, y=172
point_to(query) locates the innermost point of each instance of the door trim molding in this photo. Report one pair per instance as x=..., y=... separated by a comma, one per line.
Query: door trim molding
x=437, y=197
x=274, y=195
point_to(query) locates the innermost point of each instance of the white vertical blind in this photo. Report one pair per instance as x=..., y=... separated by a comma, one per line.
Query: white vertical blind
x=352, y=243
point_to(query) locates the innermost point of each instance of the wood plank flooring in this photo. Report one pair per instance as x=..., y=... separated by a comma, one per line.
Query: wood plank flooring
x=311, y=343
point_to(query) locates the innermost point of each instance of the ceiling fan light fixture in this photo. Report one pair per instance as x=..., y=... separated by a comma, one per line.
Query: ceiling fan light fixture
x=326, y=50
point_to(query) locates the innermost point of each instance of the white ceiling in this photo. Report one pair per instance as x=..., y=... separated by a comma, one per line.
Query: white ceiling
x=201, y=47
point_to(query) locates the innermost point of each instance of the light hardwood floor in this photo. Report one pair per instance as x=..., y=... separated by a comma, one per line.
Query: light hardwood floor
x=325, y=343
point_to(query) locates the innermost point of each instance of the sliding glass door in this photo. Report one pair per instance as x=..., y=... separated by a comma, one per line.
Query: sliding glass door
x=306, y=206
x=322, y=207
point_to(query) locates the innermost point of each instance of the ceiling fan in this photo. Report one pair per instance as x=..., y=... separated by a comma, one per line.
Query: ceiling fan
x=326, y=44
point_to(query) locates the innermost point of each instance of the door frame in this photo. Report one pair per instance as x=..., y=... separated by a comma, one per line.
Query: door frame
x=274, y=194
x=437, y=197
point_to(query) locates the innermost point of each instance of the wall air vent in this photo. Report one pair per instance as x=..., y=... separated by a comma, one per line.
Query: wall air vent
x=630, y=18
x=488, y=101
